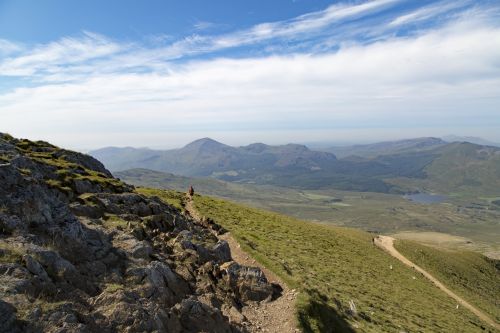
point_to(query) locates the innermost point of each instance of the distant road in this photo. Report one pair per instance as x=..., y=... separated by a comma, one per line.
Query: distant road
x=387, y=243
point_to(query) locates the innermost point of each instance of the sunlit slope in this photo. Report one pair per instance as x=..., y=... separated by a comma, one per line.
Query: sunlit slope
x=470, y=275
x=333, y=266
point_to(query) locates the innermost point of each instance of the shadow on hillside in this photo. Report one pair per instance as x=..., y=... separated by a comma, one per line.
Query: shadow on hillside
x=317, y=315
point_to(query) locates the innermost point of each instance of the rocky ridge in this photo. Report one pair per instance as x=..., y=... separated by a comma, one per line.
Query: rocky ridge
x=81, y=251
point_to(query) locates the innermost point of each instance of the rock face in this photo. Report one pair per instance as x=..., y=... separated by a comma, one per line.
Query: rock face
x=80, y=251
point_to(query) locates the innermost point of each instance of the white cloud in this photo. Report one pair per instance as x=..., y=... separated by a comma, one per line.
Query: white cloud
x=437, y=78
x=98, y=91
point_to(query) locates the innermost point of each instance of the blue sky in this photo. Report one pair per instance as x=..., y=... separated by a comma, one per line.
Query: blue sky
x=161, y=73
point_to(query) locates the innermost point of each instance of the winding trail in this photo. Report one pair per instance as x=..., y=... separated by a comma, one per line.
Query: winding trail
x=387, y=243
x=277, y=316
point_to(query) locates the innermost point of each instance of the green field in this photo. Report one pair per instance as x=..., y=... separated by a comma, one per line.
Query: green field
x=332, y=266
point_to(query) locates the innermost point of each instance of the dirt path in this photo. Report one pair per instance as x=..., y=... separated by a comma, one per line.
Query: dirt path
x=387, y=243
x=276, y=316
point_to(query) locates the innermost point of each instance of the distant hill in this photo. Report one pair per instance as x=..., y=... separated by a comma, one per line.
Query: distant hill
x=424, y=164
x=387, y=147
x=462, y=169
x=471, y=139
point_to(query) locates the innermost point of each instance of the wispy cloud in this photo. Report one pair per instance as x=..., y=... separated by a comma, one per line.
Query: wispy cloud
x=429, y=12
x=8, y=47
x=204, y=25
x=304, y=24
x=65, y=52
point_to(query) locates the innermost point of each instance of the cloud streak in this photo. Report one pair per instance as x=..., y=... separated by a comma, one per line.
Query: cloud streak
x=65, y=52
x=73, y=52
x=428, y=12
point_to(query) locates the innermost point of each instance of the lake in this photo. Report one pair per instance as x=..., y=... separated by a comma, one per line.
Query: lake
x=425, y=198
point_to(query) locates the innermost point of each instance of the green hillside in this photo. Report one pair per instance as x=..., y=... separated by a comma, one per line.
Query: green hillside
x=333, y=266
x=471, y=275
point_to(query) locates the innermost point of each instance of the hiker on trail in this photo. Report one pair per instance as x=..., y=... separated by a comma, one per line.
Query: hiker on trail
x=191, y=191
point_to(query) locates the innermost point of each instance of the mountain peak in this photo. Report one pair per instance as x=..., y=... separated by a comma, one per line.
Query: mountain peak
x=203, y=142
x=256, y=147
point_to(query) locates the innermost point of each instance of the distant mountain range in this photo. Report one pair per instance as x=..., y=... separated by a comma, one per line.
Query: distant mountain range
x=206, y=157
x=397, y=166
x=387, y=147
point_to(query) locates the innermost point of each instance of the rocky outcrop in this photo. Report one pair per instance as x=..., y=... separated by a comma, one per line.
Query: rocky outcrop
x=80, y=251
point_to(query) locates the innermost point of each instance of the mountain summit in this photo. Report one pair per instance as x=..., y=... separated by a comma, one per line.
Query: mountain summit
x=205, y=145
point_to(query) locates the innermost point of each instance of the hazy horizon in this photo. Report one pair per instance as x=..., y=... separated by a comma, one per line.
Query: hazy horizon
x=309, y=144
x=179, y=141
x=168, y=73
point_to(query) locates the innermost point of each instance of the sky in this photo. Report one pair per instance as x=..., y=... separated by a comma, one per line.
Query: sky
x=89, y=74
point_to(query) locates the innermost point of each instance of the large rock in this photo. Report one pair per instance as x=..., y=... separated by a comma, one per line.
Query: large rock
x=249, y=283
x=196, y=316
x=133, y=247
x=222, y=252
x=85, y=186
x=165, y=282
x=34, y=267
x=8, y=322
x=91, y=211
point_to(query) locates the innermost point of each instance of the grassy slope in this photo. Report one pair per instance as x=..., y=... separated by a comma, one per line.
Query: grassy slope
x=332, y=266
x=469, y=274
x=335, y=265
